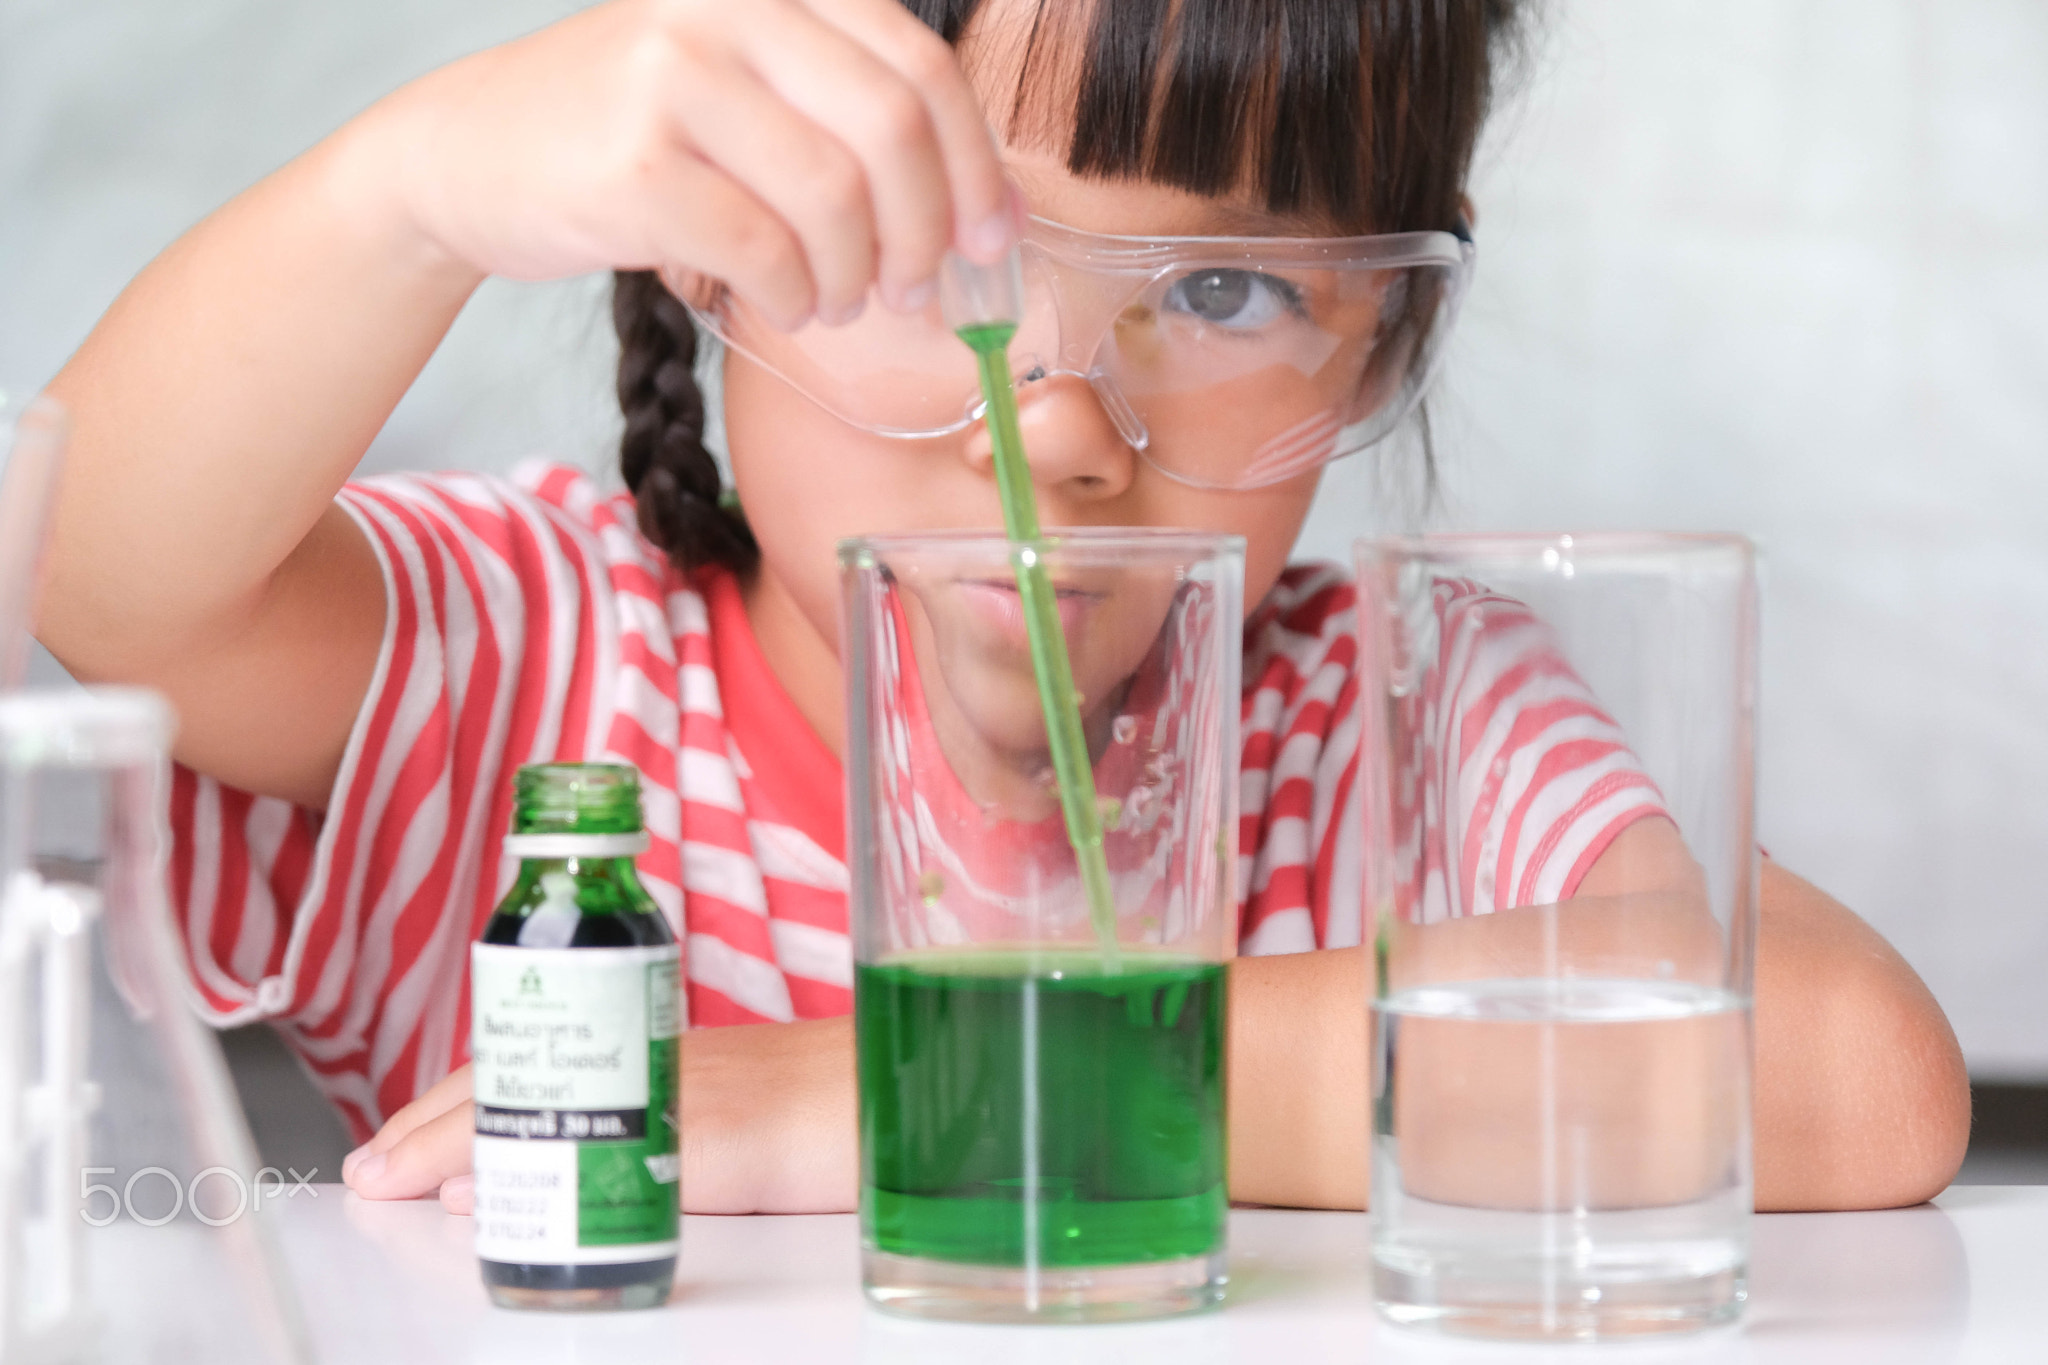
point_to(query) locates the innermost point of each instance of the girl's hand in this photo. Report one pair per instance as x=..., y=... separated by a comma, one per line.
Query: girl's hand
x=422, y=1148
x=768, y=1127
x=800, y=151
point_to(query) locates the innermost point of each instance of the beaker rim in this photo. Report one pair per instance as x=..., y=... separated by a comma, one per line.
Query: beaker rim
x=1144, y=543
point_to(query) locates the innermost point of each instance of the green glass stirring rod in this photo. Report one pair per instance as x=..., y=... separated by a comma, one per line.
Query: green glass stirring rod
x=982, y=304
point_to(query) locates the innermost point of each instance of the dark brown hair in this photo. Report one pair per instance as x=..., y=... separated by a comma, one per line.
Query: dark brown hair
x=1360, y=115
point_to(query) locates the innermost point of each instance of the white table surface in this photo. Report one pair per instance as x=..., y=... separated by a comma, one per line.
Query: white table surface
x=1961, y=1280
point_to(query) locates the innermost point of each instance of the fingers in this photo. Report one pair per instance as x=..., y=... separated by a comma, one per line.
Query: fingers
x=802, y=152
x=814, y=186
x=831, y=146
x=985, y=218
x=458, y=1194
x=701, y=218
x=839, y=80
x=436, y=1100
x=420, y=1161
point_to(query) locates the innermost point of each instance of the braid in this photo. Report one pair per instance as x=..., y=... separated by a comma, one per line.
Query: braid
x=674, y=480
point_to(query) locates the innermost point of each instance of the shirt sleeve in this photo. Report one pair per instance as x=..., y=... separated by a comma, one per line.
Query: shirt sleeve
x=1523, y=778
x=349, y=929
x=1526, y=780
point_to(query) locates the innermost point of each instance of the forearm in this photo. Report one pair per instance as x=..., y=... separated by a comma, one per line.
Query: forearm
x=769, y=1112
x=1860, y=1098
x=1860, y=1095
x=1299, y=1071
x=224, y=398
x=770, y=1118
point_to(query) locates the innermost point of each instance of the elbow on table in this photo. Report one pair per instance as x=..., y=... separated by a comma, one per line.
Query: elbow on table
x=1890, y=1122
x=1932, y=1110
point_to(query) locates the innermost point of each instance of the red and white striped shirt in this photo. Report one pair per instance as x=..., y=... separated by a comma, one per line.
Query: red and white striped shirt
x=531, y=622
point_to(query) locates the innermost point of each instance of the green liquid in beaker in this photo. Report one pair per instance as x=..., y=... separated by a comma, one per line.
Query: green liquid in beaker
x=1014, y=1102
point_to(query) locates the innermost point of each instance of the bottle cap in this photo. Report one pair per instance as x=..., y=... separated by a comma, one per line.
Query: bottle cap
x=576, y=798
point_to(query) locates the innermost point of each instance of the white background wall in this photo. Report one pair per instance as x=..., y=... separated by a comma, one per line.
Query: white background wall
x=1778, y=266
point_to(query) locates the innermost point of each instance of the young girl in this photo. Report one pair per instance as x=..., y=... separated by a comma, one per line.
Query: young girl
x=360, y=668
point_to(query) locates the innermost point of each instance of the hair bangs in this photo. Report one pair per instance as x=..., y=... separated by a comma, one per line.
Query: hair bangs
x=1359, y=115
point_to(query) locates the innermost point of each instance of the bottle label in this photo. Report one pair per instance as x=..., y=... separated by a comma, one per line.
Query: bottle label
x=574, y=1063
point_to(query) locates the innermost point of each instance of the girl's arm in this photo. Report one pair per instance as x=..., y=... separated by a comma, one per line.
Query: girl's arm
x=217, y=408
x=800, y=152
x=1860, y=1096
x=1862, y=1100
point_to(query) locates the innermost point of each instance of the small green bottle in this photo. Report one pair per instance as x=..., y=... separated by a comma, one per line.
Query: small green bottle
x=574, y=1013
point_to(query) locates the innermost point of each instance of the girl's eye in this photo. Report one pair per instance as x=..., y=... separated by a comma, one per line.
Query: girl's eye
x=1236, y=299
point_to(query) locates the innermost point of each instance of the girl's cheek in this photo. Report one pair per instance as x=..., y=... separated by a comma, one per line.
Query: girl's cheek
x=1270, y=520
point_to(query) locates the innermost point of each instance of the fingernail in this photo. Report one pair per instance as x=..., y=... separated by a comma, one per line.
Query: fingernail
x=990, y=238
x=458, y=1193
x=353, y=1160
x=370, y=1167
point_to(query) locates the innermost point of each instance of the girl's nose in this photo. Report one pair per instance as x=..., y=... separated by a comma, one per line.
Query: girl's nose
x=1073, y=447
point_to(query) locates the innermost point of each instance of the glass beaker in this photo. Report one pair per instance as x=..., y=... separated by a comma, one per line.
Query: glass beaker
x=135, y=1221
x=1558, y=782
x=1041, y=1080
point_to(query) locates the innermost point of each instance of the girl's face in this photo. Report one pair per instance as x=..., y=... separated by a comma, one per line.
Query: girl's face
x=807, y=479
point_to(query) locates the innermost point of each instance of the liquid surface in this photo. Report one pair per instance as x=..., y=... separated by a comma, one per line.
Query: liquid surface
x=1043, y=1112
x=1559, y=1158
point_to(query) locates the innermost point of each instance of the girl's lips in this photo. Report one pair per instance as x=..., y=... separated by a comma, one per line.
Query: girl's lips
x=998, y=602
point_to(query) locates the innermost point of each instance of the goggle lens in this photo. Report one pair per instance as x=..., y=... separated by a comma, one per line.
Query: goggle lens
x=1226, y=364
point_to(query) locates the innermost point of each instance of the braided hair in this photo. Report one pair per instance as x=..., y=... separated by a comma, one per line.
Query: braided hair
x=675, y=482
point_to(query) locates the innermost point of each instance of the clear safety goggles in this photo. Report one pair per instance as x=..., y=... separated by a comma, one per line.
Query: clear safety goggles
x=1225, y=362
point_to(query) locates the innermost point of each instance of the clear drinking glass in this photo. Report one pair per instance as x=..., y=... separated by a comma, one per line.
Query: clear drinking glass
x=1558, y=786
x=1041, y=1079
